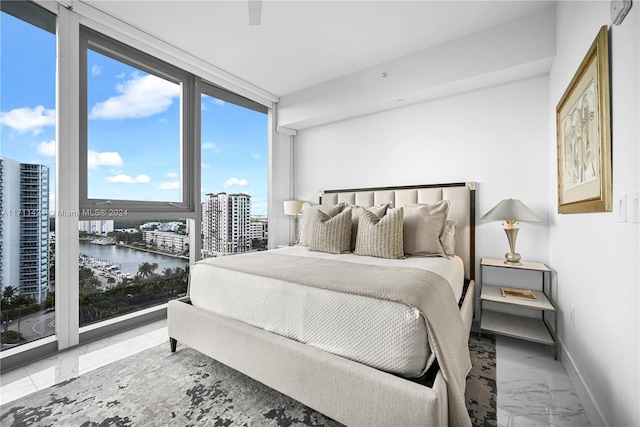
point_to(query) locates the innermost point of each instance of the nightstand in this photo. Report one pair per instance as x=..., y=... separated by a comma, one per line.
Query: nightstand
x=527, y=328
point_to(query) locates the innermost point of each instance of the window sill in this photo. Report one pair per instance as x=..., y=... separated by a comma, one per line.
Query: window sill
x=36, y=350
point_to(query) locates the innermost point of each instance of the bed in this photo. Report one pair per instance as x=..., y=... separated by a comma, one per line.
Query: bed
x=406, y=371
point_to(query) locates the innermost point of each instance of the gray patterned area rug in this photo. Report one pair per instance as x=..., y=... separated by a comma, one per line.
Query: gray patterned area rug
x=481, y=392
x=160, y=388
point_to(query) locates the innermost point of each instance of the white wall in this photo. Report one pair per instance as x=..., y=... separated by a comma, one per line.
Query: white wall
x=495, y=136
x=515, y=50
x=595, y=256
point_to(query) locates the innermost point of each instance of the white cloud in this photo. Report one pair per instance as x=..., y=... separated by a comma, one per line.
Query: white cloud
x=256, y=156
x=173, y=185
x=141, y=96
x=171, y=175
x=126, y=179
x=47, y=149
x=96, y=70
x=25, y=119
x=211, y=146
x=219, y=102
x=106, y=158
x=205, y=166
x=120, y=76
x=235, y=182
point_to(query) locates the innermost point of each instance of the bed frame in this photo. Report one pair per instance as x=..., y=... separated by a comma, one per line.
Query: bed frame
x=347, y=391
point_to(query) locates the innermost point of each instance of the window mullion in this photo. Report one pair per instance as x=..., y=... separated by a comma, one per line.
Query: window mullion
x=195, y=121
x=68, y=177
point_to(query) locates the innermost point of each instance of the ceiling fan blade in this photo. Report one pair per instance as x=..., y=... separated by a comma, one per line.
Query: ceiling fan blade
x=255, y=12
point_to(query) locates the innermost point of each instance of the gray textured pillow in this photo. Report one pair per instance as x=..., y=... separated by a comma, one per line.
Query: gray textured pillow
x=331, y=234
x=308, y=214
x=378, y=210
x=380, y=237
x=423, y=226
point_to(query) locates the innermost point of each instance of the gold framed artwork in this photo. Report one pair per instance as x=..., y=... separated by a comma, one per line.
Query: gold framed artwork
x=584, y=135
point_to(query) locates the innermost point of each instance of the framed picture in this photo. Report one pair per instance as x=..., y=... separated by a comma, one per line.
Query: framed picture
x=584, y=135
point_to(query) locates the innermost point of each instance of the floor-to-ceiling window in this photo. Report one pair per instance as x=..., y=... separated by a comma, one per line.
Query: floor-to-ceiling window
x=233, y=174
x=132, y=206
x=27, y=172
x=136, y=138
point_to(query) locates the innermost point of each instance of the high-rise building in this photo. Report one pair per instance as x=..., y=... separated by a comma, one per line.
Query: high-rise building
x=226, y=224
x=24, y=227
x=168, y=241
x=259, y=228
x=96, y=226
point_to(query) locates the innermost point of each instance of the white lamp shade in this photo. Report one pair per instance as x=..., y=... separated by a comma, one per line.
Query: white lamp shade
x=293, y=207
x=511, y=210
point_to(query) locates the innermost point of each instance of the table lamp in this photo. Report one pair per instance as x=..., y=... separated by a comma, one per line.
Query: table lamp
x=294, y=207
x=511, y=211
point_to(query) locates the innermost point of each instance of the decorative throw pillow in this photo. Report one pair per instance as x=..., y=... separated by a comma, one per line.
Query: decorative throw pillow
x=380, y=237
x=448, y=238
x=423, y=226
x=378, y=210
x=309, y=210
x=331, y=234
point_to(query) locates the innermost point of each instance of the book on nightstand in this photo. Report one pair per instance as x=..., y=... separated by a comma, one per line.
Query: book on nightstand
x=520, y=293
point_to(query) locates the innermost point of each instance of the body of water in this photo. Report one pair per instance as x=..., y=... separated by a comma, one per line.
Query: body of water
x=130, y=259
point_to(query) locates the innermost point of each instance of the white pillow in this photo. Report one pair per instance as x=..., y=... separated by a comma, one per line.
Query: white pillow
x=448, y=238
x=423, y=226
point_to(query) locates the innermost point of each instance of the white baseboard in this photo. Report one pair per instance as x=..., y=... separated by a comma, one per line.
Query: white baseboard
x=591, y=407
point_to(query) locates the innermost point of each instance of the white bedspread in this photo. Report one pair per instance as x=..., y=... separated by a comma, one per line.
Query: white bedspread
x=386, y=335
x=452, y=269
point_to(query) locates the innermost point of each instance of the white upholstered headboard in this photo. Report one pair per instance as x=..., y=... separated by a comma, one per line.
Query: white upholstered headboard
x=462, y=208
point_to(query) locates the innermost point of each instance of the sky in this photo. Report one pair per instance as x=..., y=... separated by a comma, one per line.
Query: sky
x=133, y=126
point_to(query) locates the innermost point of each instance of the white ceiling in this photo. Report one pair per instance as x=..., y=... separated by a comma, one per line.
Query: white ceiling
x=301, y=44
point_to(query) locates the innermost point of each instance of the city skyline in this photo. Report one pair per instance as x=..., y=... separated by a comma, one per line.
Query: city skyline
x=123, y=100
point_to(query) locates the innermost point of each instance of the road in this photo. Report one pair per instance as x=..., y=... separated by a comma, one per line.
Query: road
x=35, y=325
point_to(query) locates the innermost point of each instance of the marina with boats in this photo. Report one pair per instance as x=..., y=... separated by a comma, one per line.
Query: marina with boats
x=120, y=262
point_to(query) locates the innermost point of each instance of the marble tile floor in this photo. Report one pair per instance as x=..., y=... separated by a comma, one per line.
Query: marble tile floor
x=533, y=388
x=80, y=360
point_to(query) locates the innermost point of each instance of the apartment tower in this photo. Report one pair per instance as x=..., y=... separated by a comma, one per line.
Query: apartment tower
x=97, y=226
x=226, y=224
x=24, y=227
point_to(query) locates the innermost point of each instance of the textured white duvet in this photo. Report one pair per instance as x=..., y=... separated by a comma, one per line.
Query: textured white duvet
x=386, y=335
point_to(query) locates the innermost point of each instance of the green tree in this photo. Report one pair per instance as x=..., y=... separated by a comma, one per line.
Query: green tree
x=50, y=302
x=85, y=273
x=8, y=293
x=88, y=288
x=147, y=269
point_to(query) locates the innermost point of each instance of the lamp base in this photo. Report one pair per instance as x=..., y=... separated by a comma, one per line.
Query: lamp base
x=297, y=230
x=512, y=258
